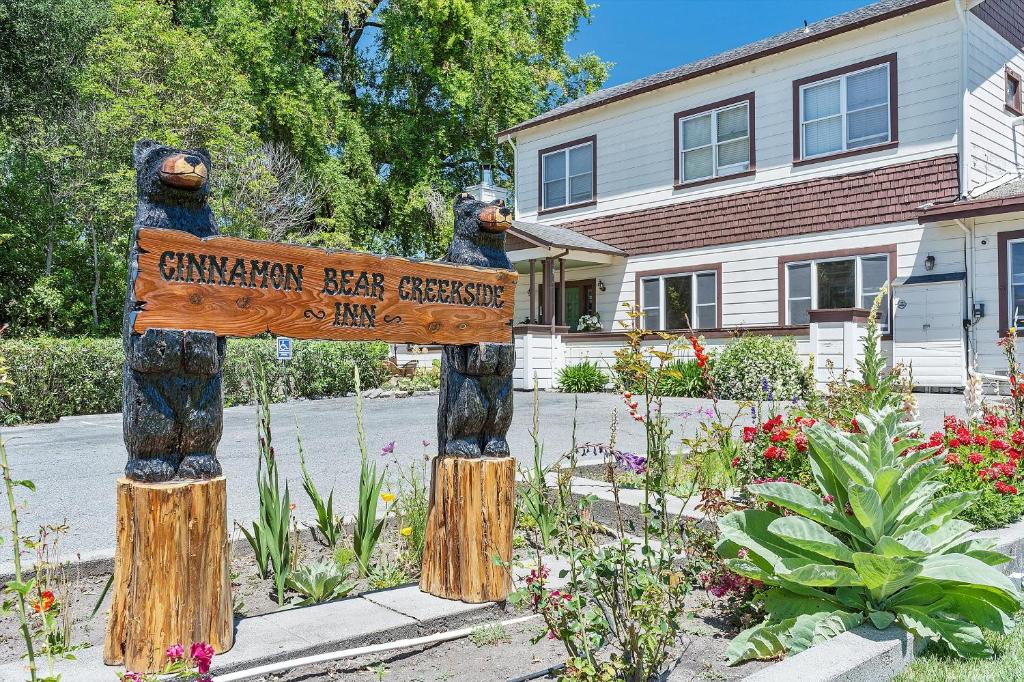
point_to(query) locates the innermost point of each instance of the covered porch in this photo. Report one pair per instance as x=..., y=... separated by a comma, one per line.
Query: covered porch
x=547, y=255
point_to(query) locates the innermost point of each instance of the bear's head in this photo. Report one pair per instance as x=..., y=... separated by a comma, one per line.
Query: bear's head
x=171, y=176
x=479, y=237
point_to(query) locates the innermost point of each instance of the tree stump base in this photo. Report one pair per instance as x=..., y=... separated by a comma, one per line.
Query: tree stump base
x=171, y=575
x=471, y=517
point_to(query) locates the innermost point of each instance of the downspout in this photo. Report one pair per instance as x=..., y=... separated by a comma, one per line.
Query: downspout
x=963, y=150
x=969, y=272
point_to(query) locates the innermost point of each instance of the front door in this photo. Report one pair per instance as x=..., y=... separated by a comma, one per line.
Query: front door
x=928, y=332
x=580, y=299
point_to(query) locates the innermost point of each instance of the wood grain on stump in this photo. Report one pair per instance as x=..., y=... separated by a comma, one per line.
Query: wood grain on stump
x=472, y=510
x=171, y=579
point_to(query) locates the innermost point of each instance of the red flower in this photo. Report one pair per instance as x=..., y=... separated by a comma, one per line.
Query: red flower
x=1005, y=489
x=770, y=425
x=828, y=499
x=780, y=435
x=953, y=458
x=950, y=422
x=775, y=452
x=749, y=433
x=1017, y=437
x=974, y=458
x=997, y=444
x=979, y=439
x=735, y=462
x=963, y=434
x=935, y=439
x=954, y=443
x=1008, y=469
x=201, y=654
x=854, y=428
x=800, y=440
x=44, y=602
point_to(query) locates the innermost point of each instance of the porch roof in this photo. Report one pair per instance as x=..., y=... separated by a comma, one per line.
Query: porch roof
x=538, y=240
x=1006, y=198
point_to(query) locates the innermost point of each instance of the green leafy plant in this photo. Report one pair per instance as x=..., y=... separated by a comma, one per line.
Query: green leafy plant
x=328, y=526
x=535, y=499
x=367, y=529
x=876, y=544
x=740, y=369
x=320, y=581
x=269, y=537
x=583, y=377
x=683, y=379
x=387, y=574
x=489, y=635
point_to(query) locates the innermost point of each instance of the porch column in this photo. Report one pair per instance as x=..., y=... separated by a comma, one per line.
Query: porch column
x=549, y=292
x=561, y=291
x=533, y=291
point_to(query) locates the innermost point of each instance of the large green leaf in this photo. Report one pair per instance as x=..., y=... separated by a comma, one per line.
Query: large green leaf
x=913, y=544
x=867, y=507
x=962, y=637
x=918, y=594
x=749, y=529
x=815, y=628
x=936, y=512
x=948, y=534
x=817, y=575
x=908, y=482
x=798, y=499
x=761, y=641
x=810, y=535
x=885, y=575
x=961, y=568
x=844, y=455
x=781, y=604
x=977, y=605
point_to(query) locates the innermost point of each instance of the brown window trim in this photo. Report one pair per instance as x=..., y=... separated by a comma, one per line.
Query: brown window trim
x=749, y=99
x=887, y=249
x=1003, y=252
x=894, y=134
x=592, y=139
x=1016, y=107
x=705, y=267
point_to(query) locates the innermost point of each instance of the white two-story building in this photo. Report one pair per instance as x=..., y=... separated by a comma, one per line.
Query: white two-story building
x=781, y=184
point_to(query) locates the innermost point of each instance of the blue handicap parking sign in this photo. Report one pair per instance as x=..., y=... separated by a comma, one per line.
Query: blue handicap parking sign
x=284, y=348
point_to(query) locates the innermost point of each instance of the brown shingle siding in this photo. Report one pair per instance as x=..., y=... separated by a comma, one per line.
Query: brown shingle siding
x=876, y=197
x=1005, y=17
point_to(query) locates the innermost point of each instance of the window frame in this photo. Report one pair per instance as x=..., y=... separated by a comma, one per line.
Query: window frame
x=567, y=147
x=1016, y=107
x=888, y=250
x=1003, y=252
x=842, y=74
x=713, y=107
x=668, y=273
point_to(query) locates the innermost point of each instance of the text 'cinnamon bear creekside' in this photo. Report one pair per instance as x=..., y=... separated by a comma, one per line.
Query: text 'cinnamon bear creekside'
x=173, y=407
x=475, y=409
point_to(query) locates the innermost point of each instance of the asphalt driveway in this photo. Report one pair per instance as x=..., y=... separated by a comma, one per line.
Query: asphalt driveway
x=76, y=462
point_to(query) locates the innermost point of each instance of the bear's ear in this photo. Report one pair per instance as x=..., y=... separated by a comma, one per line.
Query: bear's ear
x=142, y=149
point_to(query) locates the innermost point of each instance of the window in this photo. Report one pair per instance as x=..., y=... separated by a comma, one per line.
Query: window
x=680, y=300
x=567, y=174
x=843, y=282
x=715, y=140
x=1013, y=92
x=845, y=110
x=1016, y=282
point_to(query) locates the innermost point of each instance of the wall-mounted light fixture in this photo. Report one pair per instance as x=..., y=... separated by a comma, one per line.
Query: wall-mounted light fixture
x=600, y=285
x=929, y=263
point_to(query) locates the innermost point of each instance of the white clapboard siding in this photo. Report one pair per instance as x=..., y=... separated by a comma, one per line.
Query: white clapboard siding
x=750, y=270
x=635, y=158
x=986, y=286
x=989, y=135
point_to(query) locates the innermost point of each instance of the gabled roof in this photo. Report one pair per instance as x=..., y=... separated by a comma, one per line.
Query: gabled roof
x=553, y=236
x=819, y=30
x=1006, y=198
x=879, y=196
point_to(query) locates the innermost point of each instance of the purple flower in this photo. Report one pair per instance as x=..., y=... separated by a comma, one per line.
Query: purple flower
x=753, y=414
x=631, y=462
x=766, y=387
x=388, y=449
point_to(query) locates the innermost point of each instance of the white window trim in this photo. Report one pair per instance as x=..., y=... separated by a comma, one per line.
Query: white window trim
x=1009, y=283
x=858, y=280
x=568, y=178
x=844, y=112
x=693, y=300
x=716, y=170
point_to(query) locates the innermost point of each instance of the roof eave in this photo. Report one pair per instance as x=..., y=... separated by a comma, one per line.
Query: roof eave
x=970, y=209
x=839, y=30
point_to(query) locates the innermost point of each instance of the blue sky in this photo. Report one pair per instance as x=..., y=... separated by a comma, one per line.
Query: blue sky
x=646, y=36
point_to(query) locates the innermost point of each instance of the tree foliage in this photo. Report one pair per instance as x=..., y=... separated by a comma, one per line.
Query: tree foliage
x=342, y=123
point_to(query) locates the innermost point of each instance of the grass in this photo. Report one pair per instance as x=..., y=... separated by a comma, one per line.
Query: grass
x=489, y=635
x=940, y=666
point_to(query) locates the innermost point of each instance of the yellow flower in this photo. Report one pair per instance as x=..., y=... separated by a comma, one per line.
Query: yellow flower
x=406, y=532
x=387, y=497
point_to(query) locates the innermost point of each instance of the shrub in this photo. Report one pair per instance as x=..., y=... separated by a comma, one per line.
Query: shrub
x=683, y=379
x=320, y=581
x=753, y=363
x=876, y=543
x=583, y=377
x=56, y=378
x=985, y=458
x=775, y=450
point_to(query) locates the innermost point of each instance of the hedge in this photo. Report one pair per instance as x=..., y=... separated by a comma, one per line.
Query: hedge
x=54, y=378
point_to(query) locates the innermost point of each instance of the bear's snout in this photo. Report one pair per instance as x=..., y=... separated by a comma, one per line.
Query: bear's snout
x=183, y=171
x=495, y=219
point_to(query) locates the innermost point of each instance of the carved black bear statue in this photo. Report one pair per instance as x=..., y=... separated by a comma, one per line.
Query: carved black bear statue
x=173, y=405
x=475, y=402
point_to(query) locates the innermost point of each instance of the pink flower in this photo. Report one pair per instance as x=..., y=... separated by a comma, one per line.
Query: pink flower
x=828, y=499
x=953, y=459
x=388, y=448
x=742, y=553
x=201, y=654
x=175, y=652
x=800, y=440
x=749, y=433
x=130, y=676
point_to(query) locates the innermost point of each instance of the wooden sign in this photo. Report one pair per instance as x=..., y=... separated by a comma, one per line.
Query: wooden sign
x=238, y=287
